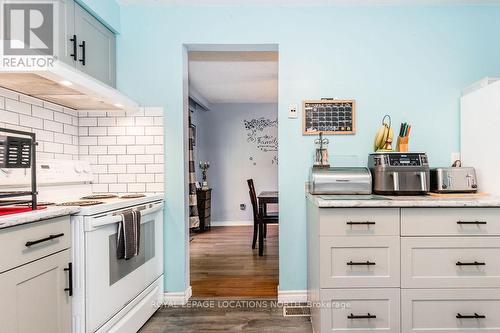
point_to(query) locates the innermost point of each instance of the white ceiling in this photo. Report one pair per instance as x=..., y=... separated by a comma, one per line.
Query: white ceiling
x=308, y=2
x=234, y=77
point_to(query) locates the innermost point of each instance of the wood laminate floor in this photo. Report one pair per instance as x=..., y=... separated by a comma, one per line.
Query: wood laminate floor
x=223, y=263
x=263, y=319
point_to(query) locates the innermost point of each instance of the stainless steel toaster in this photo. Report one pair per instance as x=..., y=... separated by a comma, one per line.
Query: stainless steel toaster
x=396, y=173
x=340, y=180
x=453, y=180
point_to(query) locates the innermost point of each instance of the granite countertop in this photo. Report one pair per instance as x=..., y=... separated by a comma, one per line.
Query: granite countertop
x=37, y=215
x=344, y=201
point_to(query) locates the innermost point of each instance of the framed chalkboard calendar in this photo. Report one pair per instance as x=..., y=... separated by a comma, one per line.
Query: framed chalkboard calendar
x=329, y=116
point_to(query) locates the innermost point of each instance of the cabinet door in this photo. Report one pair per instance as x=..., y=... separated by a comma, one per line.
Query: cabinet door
x=96, y=47
x=33, y=297
x=66, y=46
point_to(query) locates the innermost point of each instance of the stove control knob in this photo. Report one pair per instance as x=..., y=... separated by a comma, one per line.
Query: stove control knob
x=78, y=168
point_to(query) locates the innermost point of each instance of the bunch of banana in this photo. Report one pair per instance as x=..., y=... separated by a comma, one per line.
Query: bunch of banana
x=383, y=139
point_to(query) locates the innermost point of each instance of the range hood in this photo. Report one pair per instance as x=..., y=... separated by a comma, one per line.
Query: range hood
x=66, y=86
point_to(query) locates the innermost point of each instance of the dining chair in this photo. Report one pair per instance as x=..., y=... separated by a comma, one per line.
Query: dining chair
x=255, y=207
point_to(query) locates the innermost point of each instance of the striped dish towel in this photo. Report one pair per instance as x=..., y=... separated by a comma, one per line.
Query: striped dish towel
x=129, y=235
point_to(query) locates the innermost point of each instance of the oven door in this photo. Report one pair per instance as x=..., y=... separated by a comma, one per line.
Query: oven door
x=111, y=283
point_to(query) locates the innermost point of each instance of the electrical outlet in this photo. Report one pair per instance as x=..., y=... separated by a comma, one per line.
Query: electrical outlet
x=243, y=207
x=292, y=111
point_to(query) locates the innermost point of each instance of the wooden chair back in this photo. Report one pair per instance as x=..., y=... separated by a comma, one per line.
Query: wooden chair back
x=253, y=198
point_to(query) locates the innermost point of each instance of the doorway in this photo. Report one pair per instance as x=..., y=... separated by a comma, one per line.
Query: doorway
x=233, y=126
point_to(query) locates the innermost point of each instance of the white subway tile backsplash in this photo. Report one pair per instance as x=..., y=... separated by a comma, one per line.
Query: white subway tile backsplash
x=53, y=126
x=107, y=121
x=9, y=93
x=63, y=118
x=98, y=131
x=136, y=168
x=9, y=117
x=117, y=150
x=32, y=122
x=136, y=130
x=125, y=149
x=106, y=159
x=88, y=121
x=16, y=106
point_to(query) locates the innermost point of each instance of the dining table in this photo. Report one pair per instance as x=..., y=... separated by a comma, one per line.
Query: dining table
x=264, y=199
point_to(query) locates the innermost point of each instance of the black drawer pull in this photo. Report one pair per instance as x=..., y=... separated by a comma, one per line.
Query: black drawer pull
x=475, y=263
x=360, y=223
x=365, y=263
x=475, y=316
x=46, y=239
x=83, y=59
x=70, y=279
x=472, y=222
x=366, y=316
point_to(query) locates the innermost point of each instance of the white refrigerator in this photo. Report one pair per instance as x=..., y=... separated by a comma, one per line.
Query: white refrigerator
x=480, y=133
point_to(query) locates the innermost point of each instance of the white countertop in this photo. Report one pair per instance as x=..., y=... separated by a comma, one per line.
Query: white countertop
x=332, y=201
x=37, y=215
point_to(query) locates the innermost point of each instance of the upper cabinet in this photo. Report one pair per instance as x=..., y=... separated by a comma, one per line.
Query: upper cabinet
x=86, y=43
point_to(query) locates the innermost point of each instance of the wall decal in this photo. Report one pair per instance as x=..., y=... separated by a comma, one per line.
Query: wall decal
x=262, y=133
x=260, y=124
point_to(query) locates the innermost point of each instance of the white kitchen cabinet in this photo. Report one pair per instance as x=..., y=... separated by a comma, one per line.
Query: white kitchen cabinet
x=359, y=261
x=442, y=260
x=96, y=47
x=450, y=310
x=33, y=296
x=85, y=43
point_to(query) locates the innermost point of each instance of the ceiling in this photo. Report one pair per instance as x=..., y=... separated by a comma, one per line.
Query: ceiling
x=309, y=2
x=234, y=77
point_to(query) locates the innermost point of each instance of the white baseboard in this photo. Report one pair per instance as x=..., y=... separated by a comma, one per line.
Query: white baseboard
x=231, y=223
x=292, y=296
x=177, y=298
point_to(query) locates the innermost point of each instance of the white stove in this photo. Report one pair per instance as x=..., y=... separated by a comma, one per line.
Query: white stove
x=109, y=294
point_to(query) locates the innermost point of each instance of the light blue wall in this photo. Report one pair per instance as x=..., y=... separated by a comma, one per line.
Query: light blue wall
x=410, y=62
x=108, y=11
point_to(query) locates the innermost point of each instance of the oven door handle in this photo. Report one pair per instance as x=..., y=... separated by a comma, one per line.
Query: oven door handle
x=111, y=219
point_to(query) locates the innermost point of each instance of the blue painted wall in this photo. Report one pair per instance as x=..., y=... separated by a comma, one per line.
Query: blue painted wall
x=410, y=62
x=107, y=11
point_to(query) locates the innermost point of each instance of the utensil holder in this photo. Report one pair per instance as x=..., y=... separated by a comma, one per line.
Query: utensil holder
x=402, y=144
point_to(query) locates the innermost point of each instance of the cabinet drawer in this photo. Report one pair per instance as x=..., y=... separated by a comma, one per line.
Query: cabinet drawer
x=453, y=262
x=359, y=221
x=359, y=261
x=436, y=311
x=15, y=241
x=450, y=221
x=360, y=310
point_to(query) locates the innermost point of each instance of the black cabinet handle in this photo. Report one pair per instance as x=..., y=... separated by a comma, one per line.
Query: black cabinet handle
x=365, y=263
x=475, y=316
x=366, y=316
x=475, y=263
x=82, y=60
x=70, y=279
x=472, y=222
x=74, y=40
x=360, y=223
x=46, y=239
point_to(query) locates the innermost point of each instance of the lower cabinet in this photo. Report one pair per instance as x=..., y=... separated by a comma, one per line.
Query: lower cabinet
x=450, y=310
x=33, y=296
x=360, y=310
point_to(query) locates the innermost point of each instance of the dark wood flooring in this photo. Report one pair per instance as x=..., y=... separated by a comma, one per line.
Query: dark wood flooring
x=223, y=263
x=264, y=319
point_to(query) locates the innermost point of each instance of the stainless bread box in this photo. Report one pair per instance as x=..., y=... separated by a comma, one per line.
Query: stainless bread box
x=453, y=180
x=340, y=180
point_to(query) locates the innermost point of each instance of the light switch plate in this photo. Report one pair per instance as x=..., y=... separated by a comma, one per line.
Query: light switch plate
x=292, y=111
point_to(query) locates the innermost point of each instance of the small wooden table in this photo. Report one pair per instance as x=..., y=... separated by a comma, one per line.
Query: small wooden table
x=265, y=198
